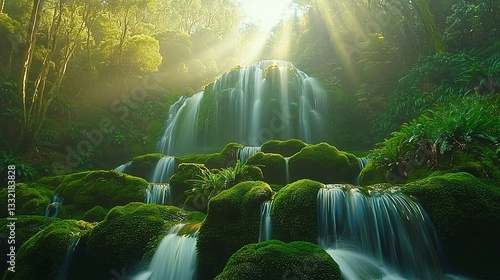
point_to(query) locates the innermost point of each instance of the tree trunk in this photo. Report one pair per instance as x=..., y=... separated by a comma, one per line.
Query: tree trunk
x=424, y=14
x=26, y=134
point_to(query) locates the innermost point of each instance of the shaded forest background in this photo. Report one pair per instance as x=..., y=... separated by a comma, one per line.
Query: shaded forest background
x=88, y=83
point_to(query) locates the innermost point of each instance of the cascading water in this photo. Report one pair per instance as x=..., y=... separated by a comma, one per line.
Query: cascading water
x=371, y=235
x=52, y=210
x=164, y=169
x=122, y=168
x=266, y=227
x=363, y=161
x=174, y=259
x=158, y=194
x=267, y=100
x=246, y=152
x=62, y=273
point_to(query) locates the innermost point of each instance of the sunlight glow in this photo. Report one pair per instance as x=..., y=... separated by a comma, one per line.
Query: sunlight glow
x=267, y=13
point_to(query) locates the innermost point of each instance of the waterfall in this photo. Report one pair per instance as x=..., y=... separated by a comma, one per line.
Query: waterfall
x=62, y=272
x=249, y=105
x=378, y=230
x=246, y=152
x=53, y=208
x=287, y=170
x=174, y=259
x=158, y=194
x=122, y=168
x=363, y=161
x=266, y=228
x=165, y=168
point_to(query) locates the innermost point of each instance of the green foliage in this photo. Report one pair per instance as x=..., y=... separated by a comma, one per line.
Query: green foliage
x=460, y=125
x=23, y=172
x=294, y=212
x=278, y=260
x=232, y=221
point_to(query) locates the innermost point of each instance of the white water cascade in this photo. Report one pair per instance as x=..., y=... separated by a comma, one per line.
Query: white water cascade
x=174, y=259
x=373, y=235
x=287, y=170
x=267, y=100
x=62, y=272
x=122, y=168
x=52, y=210
x=165, y=168
x=246, y=152
x=266, y=227
x=158, y=194
x=363, y=161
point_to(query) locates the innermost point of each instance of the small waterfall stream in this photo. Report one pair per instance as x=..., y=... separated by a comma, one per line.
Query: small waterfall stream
x=246, y=152
x=174, y=259
x=52, y=210
x=62, y=273
x=377, y=232
x=266, y=227
x=287, y=170
x=122, y=168
x=158, y=194
x=164, y=169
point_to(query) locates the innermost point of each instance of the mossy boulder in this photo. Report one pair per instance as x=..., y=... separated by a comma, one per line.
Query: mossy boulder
x=373, y=174
x=28, y=200
x=272, y=165
x=127, y=234
x=41, y=256
x=143, y=166
x=83, y=191
x=324, y=163
x=182, y=181
x=294, y=212
x=96, y=214
x=466, y=215
x=232, y=221
x=275, y=259
x=285, y=148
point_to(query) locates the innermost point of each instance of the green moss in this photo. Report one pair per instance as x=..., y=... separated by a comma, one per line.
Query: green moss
x=324, y=163
x=126, y=234
x=196, y=158
x=465, y=213
x=41, y=256
x=294, y=212
x=85, y=190
x=232, y=222
x=275, y=259
x=285, y=148
x=272, y=166
x=373, y=174
x=96, y=214
x=29, y=201
x=143, y=166
x=182, y=181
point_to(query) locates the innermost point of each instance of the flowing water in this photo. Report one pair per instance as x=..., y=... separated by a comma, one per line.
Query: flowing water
x=63, y=271
x=174, y=259
x=374, y=235
x=246, y=152
x=266, y=227
x=158, y=194
x=52, y=210
x=250, y=105
x=122, y=168
x=287, y=170
x=164, y=169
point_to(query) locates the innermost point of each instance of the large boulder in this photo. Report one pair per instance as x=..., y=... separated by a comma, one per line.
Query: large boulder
x=285, y=148
x=272, y=165
x=275, y=259
x=466, y=215
x=294, y=212
x=324, y=163
x=28, y=200
x=232, y=221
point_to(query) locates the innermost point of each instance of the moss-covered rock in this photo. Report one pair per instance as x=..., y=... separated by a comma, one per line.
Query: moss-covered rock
x=285, y=148
x=96, y=214
x=294, y=212
x=325, y=163
x=373, y=174
x=232, y=222
x=41, y=256
x=82, y=191
x=275, y=259
x=466, y=215
x=28, y=200
x=143, y=166
x=272, y=165
x=182, y=181
x=126, y=234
